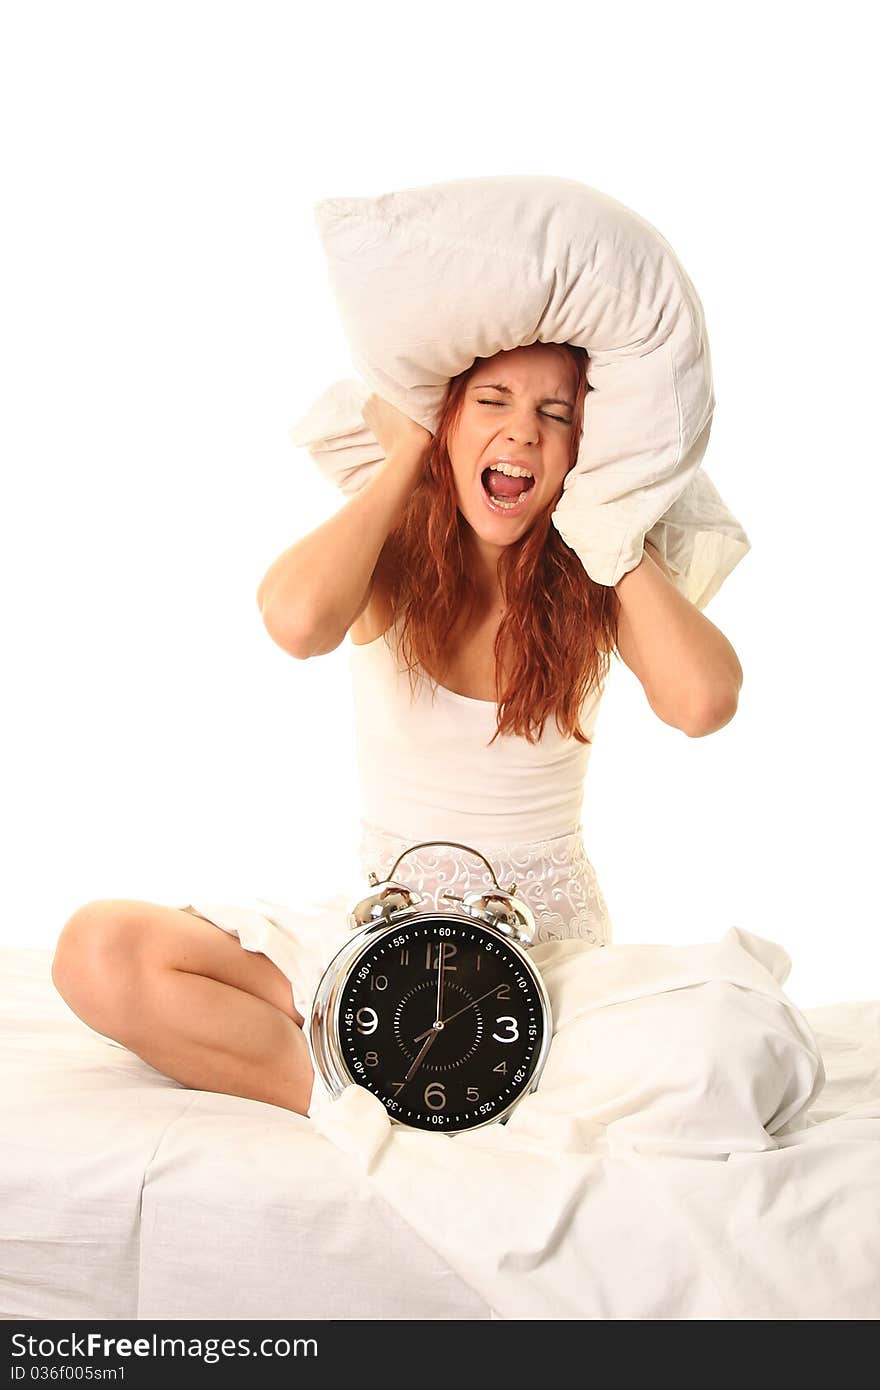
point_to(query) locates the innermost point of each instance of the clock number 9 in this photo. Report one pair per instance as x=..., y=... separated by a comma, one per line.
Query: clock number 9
x=367, y=1020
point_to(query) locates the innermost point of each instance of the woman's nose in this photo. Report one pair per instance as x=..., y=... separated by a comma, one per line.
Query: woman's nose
x=523, y=431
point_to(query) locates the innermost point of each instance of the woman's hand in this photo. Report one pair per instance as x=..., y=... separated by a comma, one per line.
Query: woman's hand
x=396, y=432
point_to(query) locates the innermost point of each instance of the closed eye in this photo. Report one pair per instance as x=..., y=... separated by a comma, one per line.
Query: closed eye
x=543, y=412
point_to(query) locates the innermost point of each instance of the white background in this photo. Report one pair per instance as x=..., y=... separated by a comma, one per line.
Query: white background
x=166, y=318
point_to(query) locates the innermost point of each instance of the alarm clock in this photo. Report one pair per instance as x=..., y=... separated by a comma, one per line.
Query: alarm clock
x=437, y=1011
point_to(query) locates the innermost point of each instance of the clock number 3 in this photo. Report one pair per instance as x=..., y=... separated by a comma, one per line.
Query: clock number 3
x=511, y=1023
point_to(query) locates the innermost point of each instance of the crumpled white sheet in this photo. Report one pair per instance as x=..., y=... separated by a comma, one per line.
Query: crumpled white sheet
x=698, y=536
x=666, y=1166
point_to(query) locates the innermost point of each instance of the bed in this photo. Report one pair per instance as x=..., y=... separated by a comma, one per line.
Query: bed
x=124, y=1195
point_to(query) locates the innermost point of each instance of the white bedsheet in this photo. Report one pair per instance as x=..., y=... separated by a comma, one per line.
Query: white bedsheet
x=125, y=1195
x=676, y=1160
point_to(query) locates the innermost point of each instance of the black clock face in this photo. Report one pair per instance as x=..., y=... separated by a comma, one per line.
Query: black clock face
x=483, y=1055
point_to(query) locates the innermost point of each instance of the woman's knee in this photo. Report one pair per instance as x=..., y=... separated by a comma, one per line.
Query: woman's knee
x=96, y=953
x=110, y=950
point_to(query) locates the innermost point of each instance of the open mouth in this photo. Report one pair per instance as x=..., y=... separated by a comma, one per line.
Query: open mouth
x=503, y=495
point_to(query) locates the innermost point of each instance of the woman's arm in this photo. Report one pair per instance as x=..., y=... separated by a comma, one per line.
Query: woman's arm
x=313, y=592
x=688, y=669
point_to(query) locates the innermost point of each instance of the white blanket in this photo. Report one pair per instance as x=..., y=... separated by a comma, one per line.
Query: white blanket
x=667, y=1166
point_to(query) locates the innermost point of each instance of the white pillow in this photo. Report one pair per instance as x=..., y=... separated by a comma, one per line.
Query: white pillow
x=688, y=1050
x=698, y=537
x=430, y=278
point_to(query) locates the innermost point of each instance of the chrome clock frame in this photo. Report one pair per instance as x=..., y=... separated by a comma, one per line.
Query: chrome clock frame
x=390, y=907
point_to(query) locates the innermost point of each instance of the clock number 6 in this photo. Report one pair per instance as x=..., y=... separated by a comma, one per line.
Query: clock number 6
x=511, y=1023
x=435, y=1096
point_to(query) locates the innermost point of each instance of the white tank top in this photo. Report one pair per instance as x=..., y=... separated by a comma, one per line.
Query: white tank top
x=426, y=772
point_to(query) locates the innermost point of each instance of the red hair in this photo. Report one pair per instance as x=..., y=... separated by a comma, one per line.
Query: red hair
x=559, y=626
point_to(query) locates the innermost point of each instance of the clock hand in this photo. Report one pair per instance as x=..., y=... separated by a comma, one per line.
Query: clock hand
x=440, y=974
x=433, y=1032
x=432, y=1035
x=471, y=1005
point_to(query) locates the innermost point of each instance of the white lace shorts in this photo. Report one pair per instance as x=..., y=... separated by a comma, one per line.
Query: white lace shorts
x=554, y=876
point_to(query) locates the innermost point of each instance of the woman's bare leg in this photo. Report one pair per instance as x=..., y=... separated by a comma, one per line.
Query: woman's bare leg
x=187, y=998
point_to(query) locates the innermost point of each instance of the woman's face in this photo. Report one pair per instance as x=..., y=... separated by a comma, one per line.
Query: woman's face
x=528, y=423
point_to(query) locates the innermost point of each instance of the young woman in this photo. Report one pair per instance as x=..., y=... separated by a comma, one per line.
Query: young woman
x=480, y=648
